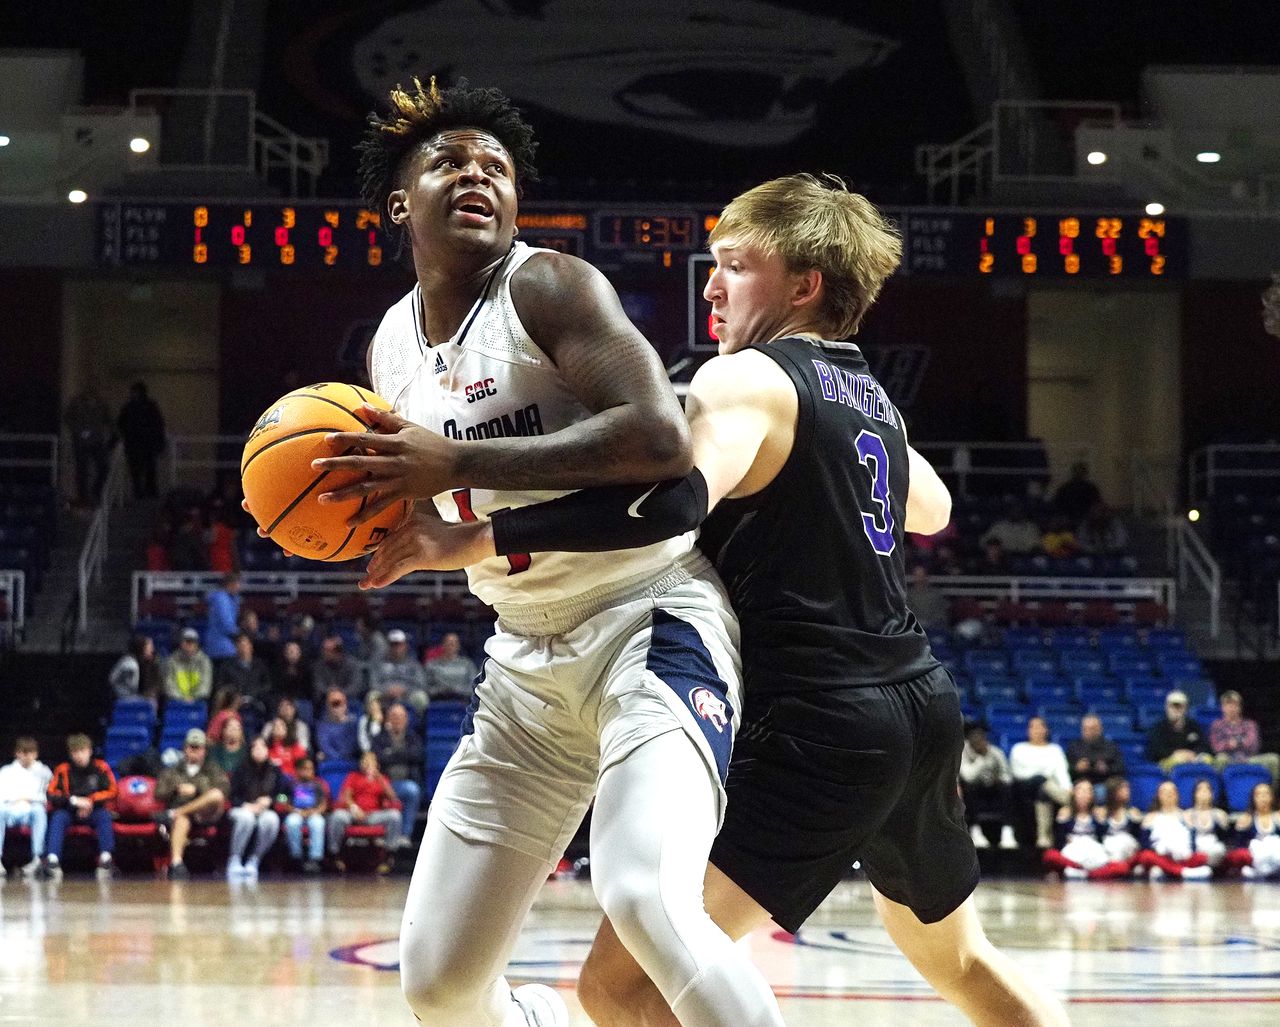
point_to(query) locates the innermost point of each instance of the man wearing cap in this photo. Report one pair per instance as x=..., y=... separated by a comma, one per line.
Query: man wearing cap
x=400, y=677
x=1178, y=738
x=193, y=790
x=188, y=673
x=1235, y=739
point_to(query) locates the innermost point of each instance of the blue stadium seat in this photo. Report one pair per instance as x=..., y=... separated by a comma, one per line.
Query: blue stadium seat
x=1063, y=722
x=1239, y=781
x=1167, y=640
x=334, y=778
x=1200, y=692
x=178, y=713
x=1144, y=779
x=173, y=738
x=138, y=712
x=1024, y=639
x=1082, y=661
x=1178, y=665
x=1185, y=776
x=1116, y=718
x=444, y=719
x=1035, y=661
x=1071, y=638
x=1118, y=637
x=985, y=662
x=1098, y=688
x=1147, y=717
x=1126, y=664
x=1144, y=690
x=1206, y=715
x=1042, y=689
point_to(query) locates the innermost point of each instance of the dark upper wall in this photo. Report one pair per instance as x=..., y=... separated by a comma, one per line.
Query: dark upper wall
x=30, y=350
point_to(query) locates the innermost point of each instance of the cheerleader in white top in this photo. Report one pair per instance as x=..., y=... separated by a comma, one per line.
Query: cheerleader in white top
x=1209, y=825
x=1258, y=856
x=1170, y=849
x=1078, y=831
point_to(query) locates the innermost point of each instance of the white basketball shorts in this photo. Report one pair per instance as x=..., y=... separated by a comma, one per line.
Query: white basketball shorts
x=603, y=675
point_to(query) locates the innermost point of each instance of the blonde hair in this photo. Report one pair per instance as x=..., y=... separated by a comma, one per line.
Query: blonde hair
x=815, y=222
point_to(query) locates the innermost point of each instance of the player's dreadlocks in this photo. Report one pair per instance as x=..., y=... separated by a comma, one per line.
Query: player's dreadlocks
x=417, y=114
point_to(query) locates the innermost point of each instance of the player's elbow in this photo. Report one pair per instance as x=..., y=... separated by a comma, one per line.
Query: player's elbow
x=668, y=448
x=929, y=514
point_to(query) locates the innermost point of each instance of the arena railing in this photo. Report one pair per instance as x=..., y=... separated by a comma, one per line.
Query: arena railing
x=190, y=587
x=1028, y=589
x=25, y=450
x=13, y=591
x=1195, y=560
x=969, y=461
x=94, y=551
x=1213, y=470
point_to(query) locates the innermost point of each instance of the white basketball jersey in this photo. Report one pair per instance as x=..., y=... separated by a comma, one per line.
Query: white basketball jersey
x=492, y=381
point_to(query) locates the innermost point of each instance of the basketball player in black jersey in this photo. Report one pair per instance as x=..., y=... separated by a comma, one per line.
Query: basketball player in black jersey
x=851, y=737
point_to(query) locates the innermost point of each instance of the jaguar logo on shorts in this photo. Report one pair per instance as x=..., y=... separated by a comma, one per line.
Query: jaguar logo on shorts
x=707, y=705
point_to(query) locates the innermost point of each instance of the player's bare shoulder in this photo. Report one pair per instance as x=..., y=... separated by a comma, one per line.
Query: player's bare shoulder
x=748, y=379
x=555, y=293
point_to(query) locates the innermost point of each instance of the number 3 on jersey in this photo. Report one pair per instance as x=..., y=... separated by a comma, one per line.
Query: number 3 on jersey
x=462, y=498
x=875, y=458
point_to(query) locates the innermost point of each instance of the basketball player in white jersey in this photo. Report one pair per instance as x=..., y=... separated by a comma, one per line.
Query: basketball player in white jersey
x=612, y=675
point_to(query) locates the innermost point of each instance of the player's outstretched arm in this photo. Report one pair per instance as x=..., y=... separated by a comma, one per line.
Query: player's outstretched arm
x=928, y=499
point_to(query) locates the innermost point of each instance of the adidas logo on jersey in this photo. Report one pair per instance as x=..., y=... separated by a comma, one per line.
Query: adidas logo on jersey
x=441, y=366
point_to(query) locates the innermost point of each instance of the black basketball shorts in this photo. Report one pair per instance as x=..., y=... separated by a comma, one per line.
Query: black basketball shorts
x=819, y=780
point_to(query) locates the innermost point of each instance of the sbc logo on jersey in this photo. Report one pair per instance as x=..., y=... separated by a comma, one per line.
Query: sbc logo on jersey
x=480, y=390
x=710, y=707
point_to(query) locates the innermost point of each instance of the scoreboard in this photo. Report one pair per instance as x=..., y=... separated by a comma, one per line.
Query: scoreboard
x=332, y=238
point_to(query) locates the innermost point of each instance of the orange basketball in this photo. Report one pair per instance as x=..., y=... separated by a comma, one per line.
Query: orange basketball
x=282, y=488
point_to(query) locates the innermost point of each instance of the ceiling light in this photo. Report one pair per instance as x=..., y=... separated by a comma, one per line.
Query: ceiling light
x=1193, y=515
x=139, y=145
x=4, y=140
x=1155, y=209
x=1208, y=156
x=1096, y=157
x=77, y=196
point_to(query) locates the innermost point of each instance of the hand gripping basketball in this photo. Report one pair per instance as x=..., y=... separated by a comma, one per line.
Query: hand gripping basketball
x=401, y=461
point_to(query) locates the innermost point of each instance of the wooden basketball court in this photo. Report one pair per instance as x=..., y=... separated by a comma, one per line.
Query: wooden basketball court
x=322, y=953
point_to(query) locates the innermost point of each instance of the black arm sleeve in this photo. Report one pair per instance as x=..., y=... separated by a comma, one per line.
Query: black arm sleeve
x=602, y=519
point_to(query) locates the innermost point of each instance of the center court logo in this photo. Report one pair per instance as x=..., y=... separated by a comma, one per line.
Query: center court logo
x=710, y=707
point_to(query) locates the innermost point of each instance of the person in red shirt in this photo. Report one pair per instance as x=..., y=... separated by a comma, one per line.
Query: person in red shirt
x=366, y=797
x=284, y=749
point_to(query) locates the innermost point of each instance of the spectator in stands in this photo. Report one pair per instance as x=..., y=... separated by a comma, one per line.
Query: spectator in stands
x=284, y=748
x=401, y=755
x=1092, y=757
x=293, y=675
x=224, y=609
x=1077, y=496
x=1041, y=780
x=221, y=540
x=193, y=791
x=452, y=673
x=186, y=544
x=302, y=628
x=306, y=801
x=79, y=793
x=985, y=781
x=188, y=673
x=225, y=707
x=158, y=555
x=137, y=672
x=1209, y=825
x=247, y=674
x=928, y=603
x=400, y=677
x=255, y=787
x=89, y=424
x=229, y=753
x=1258, y=834
x=1177, y=738
x=23, y=787
x=336, y=669
x=266, y=644
x=371, y=721
x=367, y=797
x=287, y=710
x=1170, y=846
x=1102, y=531
x=1059, y=539
x=337, y=731
x=142, y=430
x=1234, y=739
x=371, y=649
x=992, y=560
x=1015, y=531
x=1121, y=823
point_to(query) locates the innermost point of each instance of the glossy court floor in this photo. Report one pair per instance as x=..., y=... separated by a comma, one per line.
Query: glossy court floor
x=322, y=953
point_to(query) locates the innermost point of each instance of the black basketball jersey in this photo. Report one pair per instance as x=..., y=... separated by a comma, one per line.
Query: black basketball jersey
x=814, y=562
